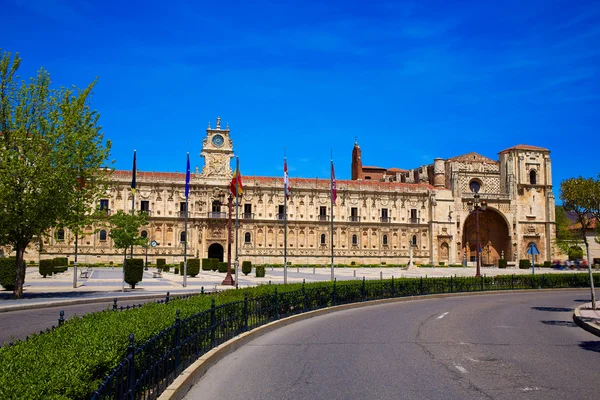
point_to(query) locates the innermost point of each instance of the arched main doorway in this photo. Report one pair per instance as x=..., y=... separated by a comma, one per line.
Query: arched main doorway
x=215, y=250
x=494, y=237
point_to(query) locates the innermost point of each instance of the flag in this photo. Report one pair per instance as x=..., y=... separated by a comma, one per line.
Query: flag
x=287, y=188
x=133, y=172
x=237, y=178
x=333, y=187
x=187, y=177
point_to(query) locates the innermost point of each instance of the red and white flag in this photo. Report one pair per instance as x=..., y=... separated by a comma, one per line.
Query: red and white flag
x=287, y=187
x=333, y=187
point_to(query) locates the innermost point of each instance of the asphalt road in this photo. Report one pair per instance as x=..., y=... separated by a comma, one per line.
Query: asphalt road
x=22, y=323
x=495, y=346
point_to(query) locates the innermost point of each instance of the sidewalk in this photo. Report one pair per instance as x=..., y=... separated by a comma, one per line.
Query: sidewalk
x=105, y=283
x=587, y=318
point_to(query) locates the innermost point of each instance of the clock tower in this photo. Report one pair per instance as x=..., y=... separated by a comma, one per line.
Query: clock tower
x=217, y=151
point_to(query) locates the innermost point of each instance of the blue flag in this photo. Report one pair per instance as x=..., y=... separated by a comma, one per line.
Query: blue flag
x=187, y=176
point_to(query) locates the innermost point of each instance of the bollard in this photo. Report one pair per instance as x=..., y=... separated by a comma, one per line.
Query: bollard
x=61, y=319
x=297, y=270
x=202, y=290
x=167, y=299
x=115, y=304
x=355, y=273
x=313, y=270
x=381, y=275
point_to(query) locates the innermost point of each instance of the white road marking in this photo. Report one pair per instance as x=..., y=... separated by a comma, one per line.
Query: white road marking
x=527, y=389
x=443, y=315
x=460, y=368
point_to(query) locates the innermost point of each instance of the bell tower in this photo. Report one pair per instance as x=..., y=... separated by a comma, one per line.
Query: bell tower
x=356, y=162
x=217, y=152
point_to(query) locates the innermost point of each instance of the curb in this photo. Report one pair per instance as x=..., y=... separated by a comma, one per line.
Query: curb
x=584, y=323
x=179, y=388
x=56, y=303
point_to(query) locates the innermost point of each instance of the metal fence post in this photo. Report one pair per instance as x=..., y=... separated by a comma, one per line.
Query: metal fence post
x=213, y=322
x=276, y=303
x=167, y=299
x=177, y=339
x=115, y=304
x=131, y=368
x=245, y=312
x=334, y=300
x=363, y=290
x=61, y=319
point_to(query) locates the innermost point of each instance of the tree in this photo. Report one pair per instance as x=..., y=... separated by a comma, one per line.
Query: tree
x=50, y=143
x=125, y=231
x=581, y=196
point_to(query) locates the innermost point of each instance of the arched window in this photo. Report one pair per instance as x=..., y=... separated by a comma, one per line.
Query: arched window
x=216, y=206
x=144, y=234
x=414, y=240
x=60, y=235
x=532, y=177
x=103, y=235
x=322, y=238
x=182, y=237
x=247, y=237
x=385, y=240
x=354, y=240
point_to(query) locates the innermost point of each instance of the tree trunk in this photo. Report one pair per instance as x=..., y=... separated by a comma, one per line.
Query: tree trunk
x=589, y=265
x=20, y=276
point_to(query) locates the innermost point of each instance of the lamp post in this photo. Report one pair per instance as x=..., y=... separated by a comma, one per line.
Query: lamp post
x=228, y=278
x=145, y=236
x=476, y=206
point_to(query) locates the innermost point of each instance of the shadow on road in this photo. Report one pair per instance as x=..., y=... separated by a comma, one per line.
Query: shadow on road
x=560, y=323
x=590, y=346
x=70, y=295
x=554, y=309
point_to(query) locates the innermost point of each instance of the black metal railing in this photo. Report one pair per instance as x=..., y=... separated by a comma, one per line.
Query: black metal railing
x=385, y=219
x=247, y=215
x=323, y=217
x=217, y=214
x=354, y=218
x=148, y=369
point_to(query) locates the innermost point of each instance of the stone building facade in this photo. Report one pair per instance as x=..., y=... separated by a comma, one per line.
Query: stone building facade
x=379, y=214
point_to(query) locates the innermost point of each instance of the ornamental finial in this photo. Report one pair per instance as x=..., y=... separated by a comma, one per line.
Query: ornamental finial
x=218, y=122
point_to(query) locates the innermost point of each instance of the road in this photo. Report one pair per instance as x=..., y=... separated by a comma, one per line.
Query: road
x=493, y=346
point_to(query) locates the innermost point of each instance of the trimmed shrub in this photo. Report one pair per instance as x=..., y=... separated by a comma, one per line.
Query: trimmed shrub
x=214, y=264
x=61, y=261
x=575, y=253
x=442, y=263
x=246, y=267
x=547, y=264
x=260, y=271
x=181, y=268
x=425, y=266
x=160, y=262
x=8, y=272
x=193, y=266
x=456, y=265
x=46, y=267
x=166, y=267
x=176, y=270
x=206, y=264
x=134, y=271
x=222, y=267
x=502, y=263
x=353, y=263
x=524, y=264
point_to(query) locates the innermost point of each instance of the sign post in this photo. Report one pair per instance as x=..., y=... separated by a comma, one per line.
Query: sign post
x=532, y=250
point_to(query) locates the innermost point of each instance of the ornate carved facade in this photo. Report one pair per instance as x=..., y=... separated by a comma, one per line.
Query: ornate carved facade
x=376, y=220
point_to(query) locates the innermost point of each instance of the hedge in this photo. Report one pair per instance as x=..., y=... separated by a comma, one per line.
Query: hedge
x=524, y=264
x=8, y=272
x=222, y=266
x=70, y=362
x=246, y=267
x=160, y=262
x=193, y=266
x=176, y=270
x=166, y=267
x=260, y=271
x=502, y=263
x=214, y=266
x=206, y=264
x=46, y=267
x=134, y=271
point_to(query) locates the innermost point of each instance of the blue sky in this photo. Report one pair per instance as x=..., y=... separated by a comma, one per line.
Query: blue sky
x=413, y=80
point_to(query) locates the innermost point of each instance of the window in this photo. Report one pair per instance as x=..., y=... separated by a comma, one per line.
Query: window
x=385, y=240
x=413, y=215
x=145, y=206
x=532, y=177
x=354, y=214
x=323, y=213
x=247, y=211
x=354, y=240
x=384, y=215
x=322, y=239
x=216, y=206
x=247, y=237
x=281, y=212
x=104, y=204
x=103, y=235
x=182, y=237
x=60, y=235
x=144, y=234
x=414, y=240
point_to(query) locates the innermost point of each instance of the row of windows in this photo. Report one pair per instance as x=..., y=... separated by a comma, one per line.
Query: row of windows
x=248, y=239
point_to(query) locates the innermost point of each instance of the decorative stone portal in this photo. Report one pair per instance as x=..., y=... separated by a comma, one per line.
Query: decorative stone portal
x=493, y=237
x=215, y=250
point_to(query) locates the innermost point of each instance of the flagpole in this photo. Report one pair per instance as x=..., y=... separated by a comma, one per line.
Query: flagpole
x=187, y=189
x=331, y=195
x=284, y=220
x=133, y=187
x=237, y=224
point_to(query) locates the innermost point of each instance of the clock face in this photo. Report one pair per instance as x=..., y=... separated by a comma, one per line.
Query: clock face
x=474, y=186
x=218, y=140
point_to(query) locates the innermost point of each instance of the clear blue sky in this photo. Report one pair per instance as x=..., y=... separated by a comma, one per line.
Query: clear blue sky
x=413, y=80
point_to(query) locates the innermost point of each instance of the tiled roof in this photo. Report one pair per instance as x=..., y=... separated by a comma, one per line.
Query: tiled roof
x=371, y=167
x=397, y=170
x=524, y=147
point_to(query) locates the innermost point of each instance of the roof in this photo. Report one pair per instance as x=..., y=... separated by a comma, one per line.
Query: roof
x=524, y=147
x=397, y=170
x=591, y=225
x=371, y=167
x=472, y=157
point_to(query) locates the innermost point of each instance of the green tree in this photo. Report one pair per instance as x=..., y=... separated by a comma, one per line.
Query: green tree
x=125, y=231
x=581, y=196
x=50, y=142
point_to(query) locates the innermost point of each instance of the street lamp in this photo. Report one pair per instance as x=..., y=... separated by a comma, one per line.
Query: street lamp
x=145, y=236
x=476, y=206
